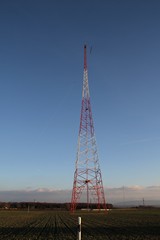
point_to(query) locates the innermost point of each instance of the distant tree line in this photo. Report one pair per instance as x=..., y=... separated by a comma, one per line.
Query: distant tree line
x=93, y=206
x=45, y=206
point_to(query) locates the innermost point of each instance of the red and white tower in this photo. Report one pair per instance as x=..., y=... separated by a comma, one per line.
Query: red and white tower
x=87, y=184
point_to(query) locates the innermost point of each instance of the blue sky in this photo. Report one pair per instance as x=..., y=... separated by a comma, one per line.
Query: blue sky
x=41, y=72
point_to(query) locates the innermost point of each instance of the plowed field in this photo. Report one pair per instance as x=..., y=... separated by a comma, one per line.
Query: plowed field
x=47, y=225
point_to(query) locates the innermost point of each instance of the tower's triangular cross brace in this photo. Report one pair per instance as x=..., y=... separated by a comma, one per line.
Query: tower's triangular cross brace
x=87, y=184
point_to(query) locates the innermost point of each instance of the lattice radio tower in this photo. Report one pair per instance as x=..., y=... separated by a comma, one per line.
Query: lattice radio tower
x=87, y=184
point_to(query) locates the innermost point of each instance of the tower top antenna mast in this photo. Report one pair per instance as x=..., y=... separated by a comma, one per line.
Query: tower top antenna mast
x=85, y=57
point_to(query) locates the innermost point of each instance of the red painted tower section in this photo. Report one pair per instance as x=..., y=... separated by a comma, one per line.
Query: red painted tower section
x=87, y=185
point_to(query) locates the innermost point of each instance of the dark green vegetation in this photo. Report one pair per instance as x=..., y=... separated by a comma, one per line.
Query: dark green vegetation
x=60, y=225
x=45, y=205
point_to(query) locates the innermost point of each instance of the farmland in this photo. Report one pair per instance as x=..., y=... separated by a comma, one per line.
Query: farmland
x=115, y=225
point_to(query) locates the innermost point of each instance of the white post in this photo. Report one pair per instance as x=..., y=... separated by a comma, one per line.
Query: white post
x=79, y=228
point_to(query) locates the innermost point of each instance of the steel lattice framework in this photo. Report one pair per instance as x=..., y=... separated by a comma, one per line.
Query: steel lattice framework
x=87, y=177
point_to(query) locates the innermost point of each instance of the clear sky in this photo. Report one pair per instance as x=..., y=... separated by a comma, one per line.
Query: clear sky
x=41, y=73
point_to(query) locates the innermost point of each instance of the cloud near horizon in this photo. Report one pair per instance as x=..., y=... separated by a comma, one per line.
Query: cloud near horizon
x=113, y=195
